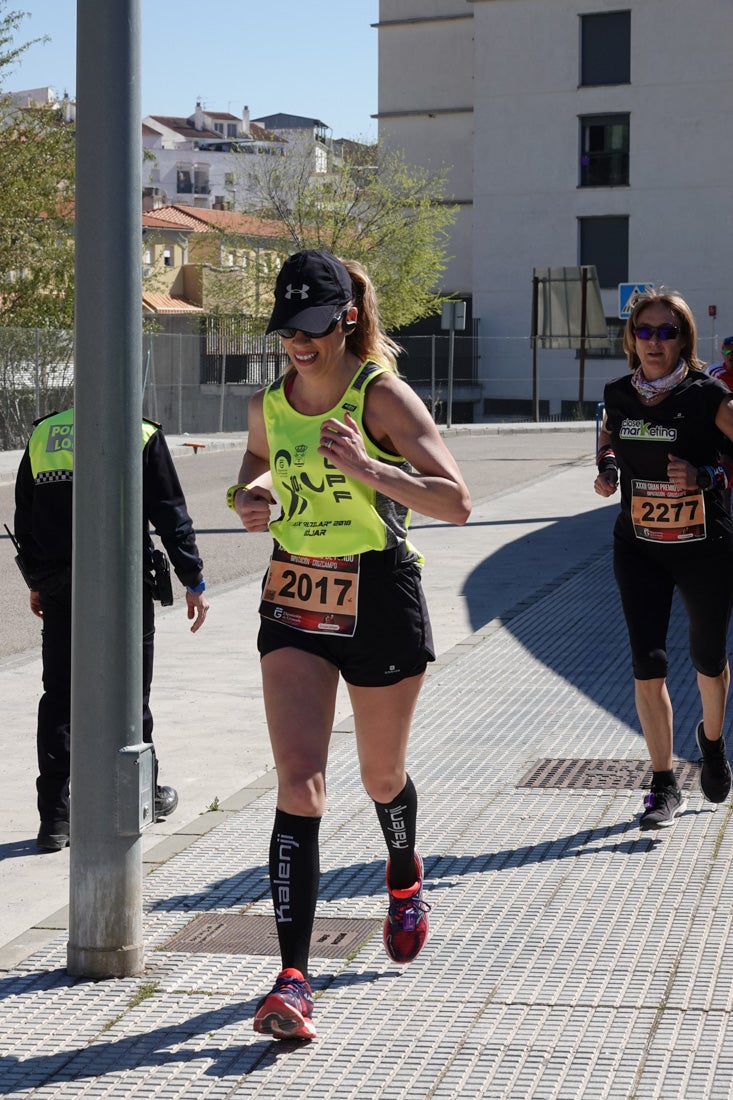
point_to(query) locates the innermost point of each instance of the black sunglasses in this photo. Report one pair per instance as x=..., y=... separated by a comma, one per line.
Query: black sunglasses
x=289, y=333
x=662, y=332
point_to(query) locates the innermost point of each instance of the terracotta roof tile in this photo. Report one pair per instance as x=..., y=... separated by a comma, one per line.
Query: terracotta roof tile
x=168, y=303
x=200, y=220
x=167, y=216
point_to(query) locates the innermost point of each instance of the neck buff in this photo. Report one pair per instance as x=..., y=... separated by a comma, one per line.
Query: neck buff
x=648, y=389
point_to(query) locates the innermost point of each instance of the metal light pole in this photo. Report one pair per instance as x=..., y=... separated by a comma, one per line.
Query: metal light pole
x=111, y=770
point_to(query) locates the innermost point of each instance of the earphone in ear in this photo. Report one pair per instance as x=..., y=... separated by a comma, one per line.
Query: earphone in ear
x=348, y=326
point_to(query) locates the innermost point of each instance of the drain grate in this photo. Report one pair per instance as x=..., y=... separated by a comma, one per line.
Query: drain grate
x=601, y=774
x=250, y=934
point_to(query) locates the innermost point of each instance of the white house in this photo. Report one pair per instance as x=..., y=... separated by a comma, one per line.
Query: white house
x=578, y=132
x=303, y=134
x=200, y=160
x=30, y=98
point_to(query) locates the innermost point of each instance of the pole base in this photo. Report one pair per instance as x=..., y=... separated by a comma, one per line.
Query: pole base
x=91, y=962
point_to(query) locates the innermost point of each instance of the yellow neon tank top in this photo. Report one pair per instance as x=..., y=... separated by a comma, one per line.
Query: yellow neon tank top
x=324, y=512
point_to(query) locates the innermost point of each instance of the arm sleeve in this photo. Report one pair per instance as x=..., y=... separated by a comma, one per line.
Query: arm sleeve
x=164, y=506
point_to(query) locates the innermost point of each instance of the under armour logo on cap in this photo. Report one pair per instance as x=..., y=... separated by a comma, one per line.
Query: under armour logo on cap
x=302, y=291
x=311, y=288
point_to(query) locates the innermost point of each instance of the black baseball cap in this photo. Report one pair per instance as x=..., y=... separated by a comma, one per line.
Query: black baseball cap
x=309, y=289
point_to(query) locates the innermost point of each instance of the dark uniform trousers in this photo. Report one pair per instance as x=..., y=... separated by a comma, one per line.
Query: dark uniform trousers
x=54, y=709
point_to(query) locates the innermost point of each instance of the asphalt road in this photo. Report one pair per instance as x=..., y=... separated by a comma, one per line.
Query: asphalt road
x=491, y=464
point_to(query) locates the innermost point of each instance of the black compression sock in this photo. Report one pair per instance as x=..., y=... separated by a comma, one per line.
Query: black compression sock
x=294, y=875
x=398, y=819
x=664, y=779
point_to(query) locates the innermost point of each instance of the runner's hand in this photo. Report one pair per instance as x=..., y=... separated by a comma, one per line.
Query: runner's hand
x=682, y=474
x=253, y=507
x=605, y=484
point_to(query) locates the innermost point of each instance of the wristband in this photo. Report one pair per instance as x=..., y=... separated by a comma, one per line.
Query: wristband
x=232, y=492
x=606, y=461
x=195, y=589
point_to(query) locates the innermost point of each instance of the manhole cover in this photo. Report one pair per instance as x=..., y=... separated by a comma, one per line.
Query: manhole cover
x=601, y=774
x=251, y=934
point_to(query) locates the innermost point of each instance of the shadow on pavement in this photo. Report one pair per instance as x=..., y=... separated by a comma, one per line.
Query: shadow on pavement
x=572, y=621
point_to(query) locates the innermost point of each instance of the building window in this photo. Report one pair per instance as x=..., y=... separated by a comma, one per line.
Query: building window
x=201, y=179
x=605, y=243
x=184, y=185
x=604, y=151
x=167, y=258
x=231, y=129
x=605, y=48
x=615, y=349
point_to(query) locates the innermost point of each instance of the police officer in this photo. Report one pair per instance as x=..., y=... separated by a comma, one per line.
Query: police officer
x=43, y=528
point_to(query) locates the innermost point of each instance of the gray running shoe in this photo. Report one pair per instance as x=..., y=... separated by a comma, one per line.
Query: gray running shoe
x=661, y=807
x=715, y=777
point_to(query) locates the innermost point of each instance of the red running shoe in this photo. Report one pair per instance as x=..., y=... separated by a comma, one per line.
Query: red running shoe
x=406, y=923
x=285, y=1012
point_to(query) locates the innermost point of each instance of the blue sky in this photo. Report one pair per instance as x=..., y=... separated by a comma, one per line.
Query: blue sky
x=316, y=58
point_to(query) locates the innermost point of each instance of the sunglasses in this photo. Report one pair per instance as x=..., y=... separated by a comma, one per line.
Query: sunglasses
x=289, y=333
x=727, y=351
x=662, y=332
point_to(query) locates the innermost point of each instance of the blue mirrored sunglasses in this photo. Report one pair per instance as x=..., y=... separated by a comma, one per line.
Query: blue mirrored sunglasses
x=662, y=332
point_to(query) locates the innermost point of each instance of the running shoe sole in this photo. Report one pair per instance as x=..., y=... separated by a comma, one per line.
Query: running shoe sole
x=281, y=1020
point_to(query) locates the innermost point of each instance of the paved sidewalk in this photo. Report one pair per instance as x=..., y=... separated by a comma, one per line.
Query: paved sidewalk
x=570, y=955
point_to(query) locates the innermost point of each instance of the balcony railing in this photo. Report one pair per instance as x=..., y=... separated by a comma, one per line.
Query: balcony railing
x=193, y=189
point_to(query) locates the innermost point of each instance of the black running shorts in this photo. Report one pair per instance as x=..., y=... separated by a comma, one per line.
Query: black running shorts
x=393, y=638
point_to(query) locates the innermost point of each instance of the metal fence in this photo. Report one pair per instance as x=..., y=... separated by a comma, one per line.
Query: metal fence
x=203, y=383
x=36, y=377
x=189, y=383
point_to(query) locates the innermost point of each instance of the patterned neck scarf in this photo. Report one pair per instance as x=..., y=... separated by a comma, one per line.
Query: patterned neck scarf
x=648, y=389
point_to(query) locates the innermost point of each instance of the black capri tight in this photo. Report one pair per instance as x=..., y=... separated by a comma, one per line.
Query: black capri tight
x=647, y=581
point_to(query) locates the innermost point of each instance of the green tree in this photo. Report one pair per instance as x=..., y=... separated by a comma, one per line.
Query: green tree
x=36, y=253
x=37, y=154
x=373, y=207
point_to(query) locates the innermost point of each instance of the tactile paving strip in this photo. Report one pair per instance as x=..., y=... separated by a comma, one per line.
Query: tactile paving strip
x=570, y=954
x=601, y=774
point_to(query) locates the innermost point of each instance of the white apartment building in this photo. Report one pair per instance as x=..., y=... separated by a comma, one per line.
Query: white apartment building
x=577, y=132
x=203, y=159
x=200, y=160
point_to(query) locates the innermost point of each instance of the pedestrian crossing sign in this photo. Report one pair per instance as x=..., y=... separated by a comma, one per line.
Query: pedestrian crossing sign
x=627, y=295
